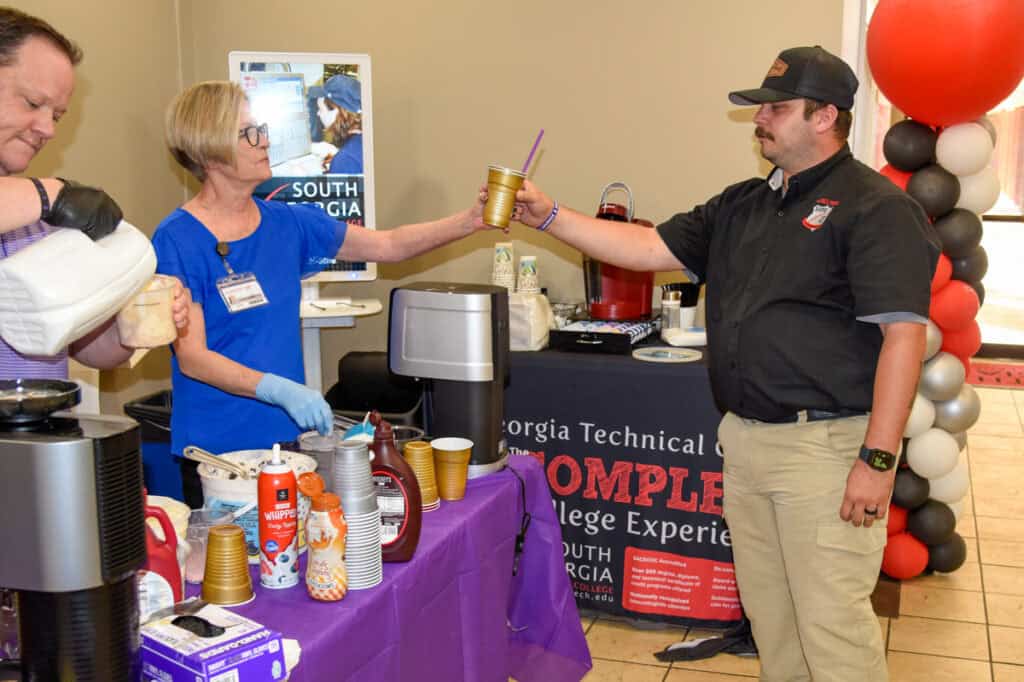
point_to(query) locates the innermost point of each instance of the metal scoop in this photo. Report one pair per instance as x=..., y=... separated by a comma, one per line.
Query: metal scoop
x=197, y=454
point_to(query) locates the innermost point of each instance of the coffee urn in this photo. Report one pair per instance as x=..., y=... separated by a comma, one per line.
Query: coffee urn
x=457, y=337
x=73, y=535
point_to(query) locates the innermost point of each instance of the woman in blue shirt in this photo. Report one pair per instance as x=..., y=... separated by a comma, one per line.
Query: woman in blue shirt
x=237, y=368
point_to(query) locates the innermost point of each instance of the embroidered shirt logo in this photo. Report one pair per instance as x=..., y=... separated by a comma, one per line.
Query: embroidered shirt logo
x=819, y=214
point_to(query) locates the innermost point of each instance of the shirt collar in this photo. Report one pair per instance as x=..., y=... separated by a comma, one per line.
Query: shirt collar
x=809, y=177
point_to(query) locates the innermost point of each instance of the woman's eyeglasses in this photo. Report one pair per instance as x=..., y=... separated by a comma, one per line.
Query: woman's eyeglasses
x=252, y=134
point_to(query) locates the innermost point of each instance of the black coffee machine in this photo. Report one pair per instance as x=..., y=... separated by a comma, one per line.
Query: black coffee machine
x=456, y=335
x=74, y=534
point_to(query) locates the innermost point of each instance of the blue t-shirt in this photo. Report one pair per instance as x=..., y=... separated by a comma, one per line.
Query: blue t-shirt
x=349, y=159
x=291, y=241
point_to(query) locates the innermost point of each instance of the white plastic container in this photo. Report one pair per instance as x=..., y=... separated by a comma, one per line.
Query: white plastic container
x=222, y=493
x=60, y=288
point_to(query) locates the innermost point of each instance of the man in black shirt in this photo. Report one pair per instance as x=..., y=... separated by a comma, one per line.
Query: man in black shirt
x=817, y=284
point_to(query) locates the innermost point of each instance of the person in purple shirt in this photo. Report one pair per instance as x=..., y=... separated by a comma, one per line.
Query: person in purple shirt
x=36, y=81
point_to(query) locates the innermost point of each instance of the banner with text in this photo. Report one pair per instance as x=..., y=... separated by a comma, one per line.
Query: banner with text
x=636, y=478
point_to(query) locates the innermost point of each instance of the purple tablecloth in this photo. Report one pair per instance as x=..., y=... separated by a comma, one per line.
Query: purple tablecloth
x=454, y=612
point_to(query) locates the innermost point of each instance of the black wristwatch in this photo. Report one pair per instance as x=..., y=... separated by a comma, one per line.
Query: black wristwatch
x=879, y=460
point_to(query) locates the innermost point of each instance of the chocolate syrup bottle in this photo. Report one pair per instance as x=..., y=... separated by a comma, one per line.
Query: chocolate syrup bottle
x=398, y=495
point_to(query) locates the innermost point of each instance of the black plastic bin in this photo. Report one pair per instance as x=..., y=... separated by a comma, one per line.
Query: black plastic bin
x=160, y=468
x=366, y=383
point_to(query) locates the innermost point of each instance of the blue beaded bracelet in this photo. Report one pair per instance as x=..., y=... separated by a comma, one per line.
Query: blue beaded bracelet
x=543, y=227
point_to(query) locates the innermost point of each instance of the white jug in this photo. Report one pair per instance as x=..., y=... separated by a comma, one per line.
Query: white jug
x=62, y=287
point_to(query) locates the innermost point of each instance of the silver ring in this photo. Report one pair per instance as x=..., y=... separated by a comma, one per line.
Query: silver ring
x=871, y=512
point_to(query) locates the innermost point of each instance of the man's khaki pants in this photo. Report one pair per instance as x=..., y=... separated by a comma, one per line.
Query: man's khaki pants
x=805, y=576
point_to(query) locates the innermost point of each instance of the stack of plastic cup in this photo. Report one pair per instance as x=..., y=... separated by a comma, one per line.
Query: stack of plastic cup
x=420, y=457
x=226, y=579
x=353, y=483
x=451, y=464
x=503, y=272
x=199, y=523
x=320, y=448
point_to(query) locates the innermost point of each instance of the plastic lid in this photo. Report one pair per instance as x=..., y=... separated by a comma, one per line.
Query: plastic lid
x=311, y=484
x=326, y=502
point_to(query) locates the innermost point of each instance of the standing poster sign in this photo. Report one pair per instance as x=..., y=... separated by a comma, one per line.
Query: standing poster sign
x=317, y=107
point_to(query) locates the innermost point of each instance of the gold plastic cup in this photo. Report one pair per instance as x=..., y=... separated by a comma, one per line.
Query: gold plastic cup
x=451, y=462
x=502, y=185
x=226, y=580
x=420, y=457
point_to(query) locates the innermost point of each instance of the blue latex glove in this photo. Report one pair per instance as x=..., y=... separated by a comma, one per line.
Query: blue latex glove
x=307, y=407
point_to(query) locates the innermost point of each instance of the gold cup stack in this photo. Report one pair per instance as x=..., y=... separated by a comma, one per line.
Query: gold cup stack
x=226, y=580
x=420, y=457
x=451, y=464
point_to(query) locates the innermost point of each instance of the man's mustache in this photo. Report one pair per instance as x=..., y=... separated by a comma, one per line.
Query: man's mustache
x=760, y=133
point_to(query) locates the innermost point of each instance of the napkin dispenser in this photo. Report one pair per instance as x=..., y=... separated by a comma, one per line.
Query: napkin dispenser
x=457, y=337
x=65, y=285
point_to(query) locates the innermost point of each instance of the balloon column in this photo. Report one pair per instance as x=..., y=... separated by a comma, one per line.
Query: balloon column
x=944, y=64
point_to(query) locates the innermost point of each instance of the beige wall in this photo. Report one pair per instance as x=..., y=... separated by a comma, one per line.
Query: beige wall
x=624, y=92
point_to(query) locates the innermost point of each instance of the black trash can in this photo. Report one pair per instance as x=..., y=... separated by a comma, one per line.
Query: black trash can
x=161, y=469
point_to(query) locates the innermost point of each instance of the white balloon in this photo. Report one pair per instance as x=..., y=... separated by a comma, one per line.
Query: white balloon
x=942, y=377
x=986, y=123
x=933, y=340
x=957, y=508
x=953, y=486
x=922, y=417
x=979, y=192
x=959, y=413
x=964, y=148
x=932, y=454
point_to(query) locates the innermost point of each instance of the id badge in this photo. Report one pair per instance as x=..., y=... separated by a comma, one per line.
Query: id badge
x=241, y=292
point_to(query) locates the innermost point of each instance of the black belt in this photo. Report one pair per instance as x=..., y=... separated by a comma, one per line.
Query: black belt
x=814, y=415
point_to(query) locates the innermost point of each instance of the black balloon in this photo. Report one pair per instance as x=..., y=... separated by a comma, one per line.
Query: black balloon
x=979, y=288
x=932, y=523
x=972, y=267
x=909, y=145
x=947, y=556
x=935, y=188
x=910, y=491
x=960, y=232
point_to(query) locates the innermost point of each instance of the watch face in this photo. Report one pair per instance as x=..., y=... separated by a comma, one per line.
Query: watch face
x=881, y=460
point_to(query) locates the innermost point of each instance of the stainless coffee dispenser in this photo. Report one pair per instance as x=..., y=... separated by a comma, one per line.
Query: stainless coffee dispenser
x=73, y=535
x=456, y=335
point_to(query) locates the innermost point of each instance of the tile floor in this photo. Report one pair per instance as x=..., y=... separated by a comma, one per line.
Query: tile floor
x=967, y=626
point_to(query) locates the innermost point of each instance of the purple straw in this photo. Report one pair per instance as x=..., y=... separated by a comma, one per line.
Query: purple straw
x=535, y=143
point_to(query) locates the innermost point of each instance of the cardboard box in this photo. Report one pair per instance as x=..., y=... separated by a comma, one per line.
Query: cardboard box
x=245, y=651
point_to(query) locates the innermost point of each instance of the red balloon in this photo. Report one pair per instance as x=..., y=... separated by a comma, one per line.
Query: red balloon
x=954, y=306
x=943, y=272
x=963, y=343
x=905, y=556
x=899, y=178
x=946, y=62
x=966, y=362
x=897, y=519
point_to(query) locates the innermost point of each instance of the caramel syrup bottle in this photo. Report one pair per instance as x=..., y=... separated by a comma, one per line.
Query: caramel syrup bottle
x=398, y=495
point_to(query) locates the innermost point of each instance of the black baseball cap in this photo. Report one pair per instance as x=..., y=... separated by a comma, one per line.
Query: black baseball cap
x=811, y=72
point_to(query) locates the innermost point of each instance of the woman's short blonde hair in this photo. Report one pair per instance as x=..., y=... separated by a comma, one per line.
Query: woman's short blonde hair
x=202, y=125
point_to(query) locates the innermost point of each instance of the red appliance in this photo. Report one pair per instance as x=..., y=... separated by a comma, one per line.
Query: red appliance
x=614, y=293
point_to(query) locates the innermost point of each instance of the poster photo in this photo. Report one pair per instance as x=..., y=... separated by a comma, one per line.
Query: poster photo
x=317, y=107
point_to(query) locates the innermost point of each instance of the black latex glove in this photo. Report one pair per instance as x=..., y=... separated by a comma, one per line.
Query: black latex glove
x=88, y=209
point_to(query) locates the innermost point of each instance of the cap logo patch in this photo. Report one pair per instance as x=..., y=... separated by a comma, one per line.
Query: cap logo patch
x=778, y=68
x=819, y=214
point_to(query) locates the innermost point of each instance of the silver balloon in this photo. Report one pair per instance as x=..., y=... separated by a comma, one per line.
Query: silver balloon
x=933, y=340
x=942, y=377
x=960, y=413
x=961, y=439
